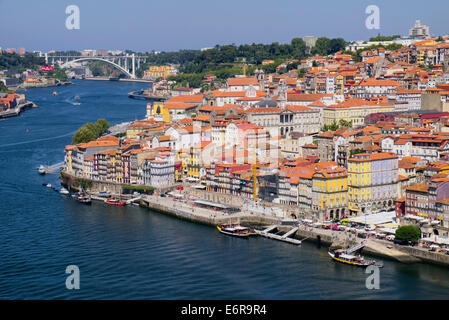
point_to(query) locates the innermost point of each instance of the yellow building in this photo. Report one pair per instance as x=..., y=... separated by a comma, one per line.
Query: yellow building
x=354, y=110
x=329, y=193
x=199, y=155
x=170, y=111
x=160, y=112
x=183, y=156
x=138, y=127
x=68, y=158
x=193, y=167
x=159, y=72
x=372, y=182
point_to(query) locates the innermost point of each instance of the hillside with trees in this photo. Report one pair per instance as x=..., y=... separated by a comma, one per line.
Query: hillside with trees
x=13, y=61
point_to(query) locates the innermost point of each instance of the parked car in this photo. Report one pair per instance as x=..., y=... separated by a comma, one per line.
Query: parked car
x=352, y=230
x=404, y=242
x=390, y=237
x=381, y=236
x=326, y=226
x=335, y=227
x=362, y=235
x=372, y=234
x=369, y=228
x=341, y=228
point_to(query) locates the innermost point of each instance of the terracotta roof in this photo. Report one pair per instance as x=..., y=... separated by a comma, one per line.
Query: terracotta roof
x=361, y=157
x=375, y=82
x=420, y=187
x=242, y=81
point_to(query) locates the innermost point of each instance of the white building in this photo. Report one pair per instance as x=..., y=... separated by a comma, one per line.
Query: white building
x=419, y=30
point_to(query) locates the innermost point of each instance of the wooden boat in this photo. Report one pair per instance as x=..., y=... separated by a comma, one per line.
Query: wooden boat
x=85, y=199
x=82, y=197
x=236, y=230
x=342, y=256
x=115, y=202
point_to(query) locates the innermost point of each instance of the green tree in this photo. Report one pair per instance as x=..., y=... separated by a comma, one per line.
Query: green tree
x=336, y=45
x=3, y=88
x=330, y=127
x=103, y=125
x=345, y=123
x=83, y=135
x=298, y=48
x=13, y=61
x=321, y=46
x=96, y=130
x=57, y=73
x=356, y=151
x=90, y=131
x=408, y=233
x=385, y=38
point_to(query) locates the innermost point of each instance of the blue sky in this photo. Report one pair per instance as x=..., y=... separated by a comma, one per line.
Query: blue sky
x=193, y=24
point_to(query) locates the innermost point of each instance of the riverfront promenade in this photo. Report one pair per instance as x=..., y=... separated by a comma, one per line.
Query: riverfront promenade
x=185, y=209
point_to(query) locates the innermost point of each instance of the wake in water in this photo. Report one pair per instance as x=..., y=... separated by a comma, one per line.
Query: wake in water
x=74, y=102
x=36, y=140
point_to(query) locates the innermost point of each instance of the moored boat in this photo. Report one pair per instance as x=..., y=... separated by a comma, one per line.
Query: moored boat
x=342, y=256
x=64, y=191
x=82, y=197
x=115, y=202
x=236, y=230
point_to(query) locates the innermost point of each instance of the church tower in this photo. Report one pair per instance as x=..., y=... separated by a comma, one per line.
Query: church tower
x=282, y=94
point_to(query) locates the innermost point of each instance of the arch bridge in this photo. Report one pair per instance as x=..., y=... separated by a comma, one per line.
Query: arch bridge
x=126, y=64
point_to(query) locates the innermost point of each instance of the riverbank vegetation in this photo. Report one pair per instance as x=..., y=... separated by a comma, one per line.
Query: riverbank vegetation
x=141, y=189
x=90, y=131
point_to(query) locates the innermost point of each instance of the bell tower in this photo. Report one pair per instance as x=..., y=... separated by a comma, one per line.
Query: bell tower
x=282, y=94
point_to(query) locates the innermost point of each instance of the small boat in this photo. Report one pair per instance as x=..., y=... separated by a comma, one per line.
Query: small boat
x=64, y=191
x=83, y=198
x=236, y=230
x=48, y=185
x=41, y=170
x=77, y=97
x=342, y=256
x=55, y=93
x=115, y=202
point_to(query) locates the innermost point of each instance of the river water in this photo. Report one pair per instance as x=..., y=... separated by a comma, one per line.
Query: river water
x=133, y=253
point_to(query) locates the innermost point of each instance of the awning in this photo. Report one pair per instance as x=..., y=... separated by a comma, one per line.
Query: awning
x=198, y=186
x=437, y=239
x=215, y=204
x=375, y=218
x=176, y=195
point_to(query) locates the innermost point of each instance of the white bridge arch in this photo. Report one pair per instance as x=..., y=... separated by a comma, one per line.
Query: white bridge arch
x=68, y=63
